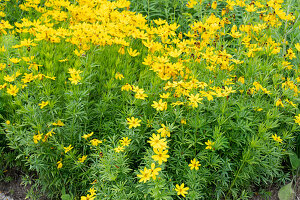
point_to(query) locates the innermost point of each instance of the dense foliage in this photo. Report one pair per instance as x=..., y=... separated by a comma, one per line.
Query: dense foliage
x=150, y=99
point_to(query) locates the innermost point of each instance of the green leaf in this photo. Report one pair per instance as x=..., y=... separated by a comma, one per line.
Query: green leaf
x=66, y=197
x=286, y=192
x=295, y=161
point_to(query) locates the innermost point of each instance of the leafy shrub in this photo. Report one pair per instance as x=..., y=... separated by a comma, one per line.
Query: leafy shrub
x=104, y=103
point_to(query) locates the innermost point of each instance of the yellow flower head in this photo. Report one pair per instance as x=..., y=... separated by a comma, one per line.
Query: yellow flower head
x=43, y=104
x=209, y=144
x=125, y=141
x=67, y=149
x=194, y=164
x=277, y=138
x=181, y=190
x=133, y=122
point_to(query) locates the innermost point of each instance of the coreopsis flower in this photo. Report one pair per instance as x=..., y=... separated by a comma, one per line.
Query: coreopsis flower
x=86, y=136
x=78, y=53
x=125, y=141
x=3, y=86
x=126, y=87
x=59, y=164
x=12, y=90
x=183, y=121
x=277, y=138
x=119, y=76
x=297, y=120
x=214, y=5
x=82, y=159
x=156, y=142
x=194, y=100
x=69, y=148
x=2, y=66
x=43, y=104
x=258, y=109
x=290, y=54
x=37, y=138
x=133, y=122
x=121, y=50
x=15, y=60
x=58, y=123
x=164, y=95
x=194, y=164
x=297, y=46
x=164, y=131
x=191, y=3
x=241, y=80
x=209, y=144
x=75, y=79
x=154, y=171
x=95, y=142
x=50, y=133
x=181, y=190
x=160, y=105
x=279, y=103
x=145, y=175
x=88, y=197
x=2, y=49
x=140, y=95
x=161, y=155
x=119, y=149
x=133, y=53
x=9, y=78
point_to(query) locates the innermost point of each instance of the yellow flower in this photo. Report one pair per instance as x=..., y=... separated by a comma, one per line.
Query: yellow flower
x=279, y=103
x=79, y=53
x=7, y=122
x=160, y=105
x=145, y=175
x=194, y=100
x=164, y=95
x=133, y=122
x=156, y=142
x=297, y=46
x=125, y=141
x=121, y=50
x=297, y=120
x=194, y=164
x=154, y=171
x=37, y=138
x=119, y=76
x=126, y=87
x=119, y=149
x=86, y=136
x=67, y=149
x=209, y=144
x=95, y=142
x=75, y=79
x=82, y=159
x=133, y=53
x=164, y=131
x=15, y=60
x=214, y=5
x=12, y=90
x=183, y=121
x=277, y=138
x=43, y=104
x=59, y=164
x=58, y=123
x=181, y=190
x=161, y=155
